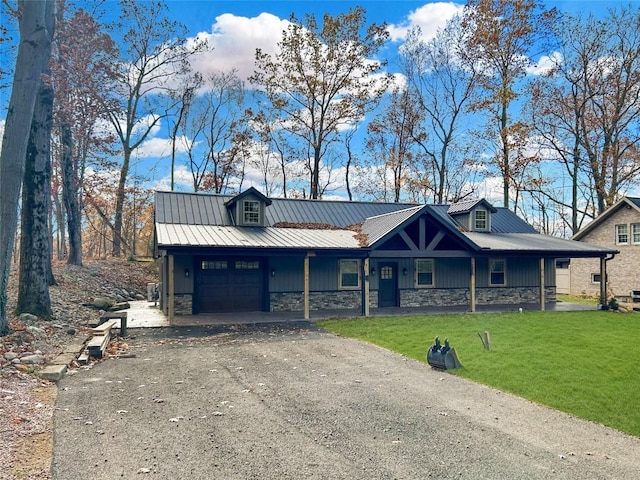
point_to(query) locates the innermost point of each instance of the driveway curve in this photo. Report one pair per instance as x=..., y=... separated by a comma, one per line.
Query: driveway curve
x=291, y=401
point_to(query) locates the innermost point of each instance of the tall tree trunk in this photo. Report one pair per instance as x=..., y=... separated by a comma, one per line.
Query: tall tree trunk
x=71, y=197
x=35, y=252
x=36, y=29
x=120, y=198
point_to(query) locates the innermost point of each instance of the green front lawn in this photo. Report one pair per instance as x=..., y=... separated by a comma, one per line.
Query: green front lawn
x=583, y=363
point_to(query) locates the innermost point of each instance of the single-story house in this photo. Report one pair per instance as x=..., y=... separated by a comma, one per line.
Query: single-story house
x=248, y=252
x=617, y=228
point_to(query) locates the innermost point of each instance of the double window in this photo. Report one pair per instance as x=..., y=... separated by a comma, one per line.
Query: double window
x=349, y=274
x=497, y=272
x=424, y=272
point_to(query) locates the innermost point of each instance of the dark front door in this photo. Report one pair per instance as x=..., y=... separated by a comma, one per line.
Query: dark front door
x=388, y=285
x=229, y=285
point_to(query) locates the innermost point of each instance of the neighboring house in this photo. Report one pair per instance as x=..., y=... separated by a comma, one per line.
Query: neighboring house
x=617, y=228
x=221, y=253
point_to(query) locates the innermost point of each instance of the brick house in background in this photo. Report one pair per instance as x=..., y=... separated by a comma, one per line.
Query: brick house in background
x=618, y=228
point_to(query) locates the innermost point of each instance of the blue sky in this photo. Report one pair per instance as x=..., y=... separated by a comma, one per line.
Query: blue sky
x=236, y=28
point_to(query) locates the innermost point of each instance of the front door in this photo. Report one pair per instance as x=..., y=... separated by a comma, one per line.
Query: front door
x=388, y=285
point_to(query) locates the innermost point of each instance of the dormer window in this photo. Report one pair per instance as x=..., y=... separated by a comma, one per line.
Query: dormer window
x=251, y=212
x=481, y=221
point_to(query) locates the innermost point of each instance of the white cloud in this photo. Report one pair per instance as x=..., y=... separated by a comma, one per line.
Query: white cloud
x=233, y=41
x=545, y=64
x=429, y=18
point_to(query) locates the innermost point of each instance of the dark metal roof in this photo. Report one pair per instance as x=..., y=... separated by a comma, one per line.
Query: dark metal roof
x=184, y=235
x=377, y=227
x=204, y=209
x=468, y=205
x=503, y=220
x=200, y=220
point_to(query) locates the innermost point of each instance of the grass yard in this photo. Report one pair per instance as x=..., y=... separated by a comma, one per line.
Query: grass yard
x=583, y=363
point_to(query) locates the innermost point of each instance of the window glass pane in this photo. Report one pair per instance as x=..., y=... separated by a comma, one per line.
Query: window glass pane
x=635, y=231
x=244, y=265
x=481, y=220
x=214, y=265
x=497, y=272
x=349, y=273
x=622, y=234
x=251, y=211
x=424, y=269
x=386, y=273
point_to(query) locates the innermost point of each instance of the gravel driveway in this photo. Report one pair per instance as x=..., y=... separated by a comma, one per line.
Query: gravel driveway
x=293, y=402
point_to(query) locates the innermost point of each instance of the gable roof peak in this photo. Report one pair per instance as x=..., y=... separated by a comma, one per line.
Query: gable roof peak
x=251, y=191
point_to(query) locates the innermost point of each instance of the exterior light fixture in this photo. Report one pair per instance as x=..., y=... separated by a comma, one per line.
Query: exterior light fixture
x=273, y=272
x=373, y=271
x=186, y=273
x=405, y=271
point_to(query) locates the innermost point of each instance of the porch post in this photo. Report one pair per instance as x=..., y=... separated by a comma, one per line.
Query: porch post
x=472, y=285
x=365, y=296
x=306, y=287
x=172, y=288
x=542, y=299
x=603, y=280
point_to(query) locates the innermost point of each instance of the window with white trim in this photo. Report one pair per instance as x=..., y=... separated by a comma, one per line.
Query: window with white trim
x=596, y=277
x=622, y=234
x=635, y=233
x=481, y=219
x=251, y=212
x=497, y=274
x=424, y=272
x=349, y=274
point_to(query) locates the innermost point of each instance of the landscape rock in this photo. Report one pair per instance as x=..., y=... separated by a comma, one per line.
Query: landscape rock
x=10, y=356
x=28, y=318
x=36, y=330
x=32, y=359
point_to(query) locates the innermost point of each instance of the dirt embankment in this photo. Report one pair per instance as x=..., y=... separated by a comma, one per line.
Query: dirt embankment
x=26, y=401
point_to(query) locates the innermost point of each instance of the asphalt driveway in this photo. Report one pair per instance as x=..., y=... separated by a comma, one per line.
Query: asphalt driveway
x=293, y=402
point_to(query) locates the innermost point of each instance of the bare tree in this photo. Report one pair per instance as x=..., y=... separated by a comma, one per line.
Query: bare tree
x=586, y=110
x=36, y=20
x=443, y=81
x=391, y=138
x=81, y=61
x=322, y=78
x=501, y=35
x=154, y=54
x=210, y=125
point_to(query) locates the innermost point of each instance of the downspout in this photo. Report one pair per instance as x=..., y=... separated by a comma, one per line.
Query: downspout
x=603, y=278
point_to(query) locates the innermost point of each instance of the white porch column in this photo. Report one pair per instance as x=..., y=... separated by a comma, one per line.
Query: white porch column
x=472, y=286
x=172, y=288
x=542, y=297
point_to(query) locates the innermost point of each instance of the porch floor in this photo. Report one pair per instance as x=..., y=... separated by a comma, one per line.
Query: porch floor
x=284, y=317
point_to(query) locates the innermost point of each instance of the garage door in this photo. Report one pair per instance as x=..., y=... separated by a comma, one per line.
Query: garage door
x=229, y=285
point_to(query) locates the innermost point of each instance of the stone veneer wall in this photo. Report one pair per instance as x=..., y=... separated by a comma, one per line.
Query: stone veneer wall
x=183, y=304
x=294, y=301
x=419, y=297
